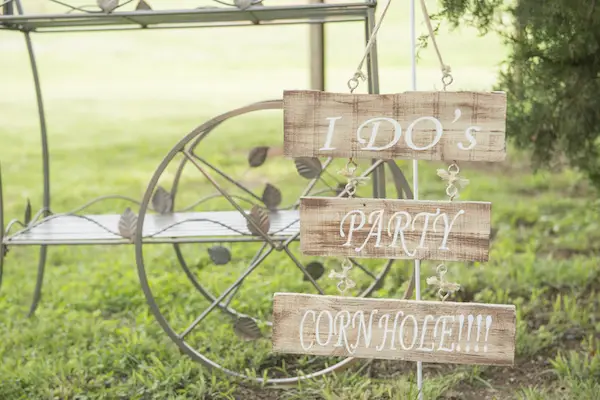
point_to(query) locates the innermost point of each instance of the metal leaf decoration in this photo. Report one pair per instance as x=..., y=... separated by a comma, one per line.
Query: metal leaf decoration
x=128, y=224
x=261, y=217
x=107, y=6
x=162, y=201
x=242, y=4
x=219, y=255
x=400, y=181
x=247, y=329
x=271, y=197
x=315, y=269
x=308, y=167
x=27, y=217
x=143, y=6
x=257, y=156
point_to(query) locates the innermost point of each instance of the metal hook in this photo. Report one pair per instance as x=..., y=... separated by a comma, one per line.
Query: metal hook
x=447, y=80
x=453, y=168
x=353, y=84
x=354, y=81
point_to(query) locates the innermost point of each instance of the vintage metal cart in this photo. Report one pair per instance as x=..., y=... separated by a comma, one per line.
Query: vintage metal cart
x=254, y=218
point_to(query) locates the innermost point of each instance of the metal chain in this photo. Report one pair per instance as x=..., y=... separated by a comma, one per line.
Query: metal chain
x=345, y=282
x=447, y=78
x=445, y=288
x=359, y=75
x=455, y=182
x=349, y=171
x=354, y=181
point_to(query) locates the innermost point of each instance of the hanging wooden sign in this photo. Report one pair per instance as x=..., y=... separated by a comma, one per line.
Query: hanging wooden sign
x=429, y=331
x=453, y=126
x=400, y=229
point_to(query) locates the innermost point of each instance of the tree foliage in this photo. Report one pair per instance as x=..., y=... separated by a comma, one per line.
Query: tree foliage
x=551, y=75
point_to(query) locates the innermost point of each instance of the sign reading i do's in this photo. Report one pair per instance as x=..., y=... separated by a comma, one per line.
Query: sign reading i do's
x=453, y=126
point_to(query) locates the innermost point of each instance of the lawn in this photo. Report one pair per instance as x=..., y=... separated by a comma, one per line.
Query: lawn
x=118, y=102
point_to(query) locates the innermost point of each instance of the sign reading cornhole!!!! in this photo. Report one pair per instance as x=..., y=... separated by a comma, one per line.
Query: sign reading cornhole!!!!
x=430, y=331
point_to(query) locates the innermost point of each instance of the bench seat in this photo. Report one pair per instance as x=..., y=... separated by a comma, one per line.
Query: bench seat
x=191, y=227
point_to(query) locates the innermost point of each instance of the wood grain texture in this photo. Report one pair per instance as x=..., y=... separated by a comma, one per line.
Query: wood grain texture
x=399, y=229
x=306, y=124
x=428, y=331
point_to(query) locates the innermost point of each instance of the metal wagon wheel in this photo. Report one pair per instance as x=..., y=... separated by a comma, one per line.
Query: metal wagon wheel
x=280, y=239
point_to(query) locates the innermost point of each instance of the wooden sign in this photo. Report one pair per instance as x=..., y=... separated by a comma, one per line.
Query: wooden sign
x=400, y=229
x=429, y=331
x=453, y=126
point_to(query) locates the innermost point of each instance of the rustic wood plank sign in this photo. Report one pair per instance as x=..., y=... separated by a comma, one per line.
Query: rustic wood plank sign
x=454, y=126
x=429, y=331
x=399, y=229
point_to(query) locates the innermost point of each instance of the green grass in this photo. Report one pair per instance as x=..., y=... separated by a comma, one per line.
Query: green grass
x=117, y=102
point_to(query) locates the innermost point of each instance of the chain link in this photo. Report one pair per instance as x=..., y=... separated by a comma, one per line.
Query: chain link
x=352, y=184
x=345, y=282
x=455, y=182
x=445, y=288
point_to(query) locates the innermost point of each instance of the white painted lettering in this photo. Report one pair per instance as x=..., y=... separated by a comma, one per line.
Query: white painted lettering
x=400, y=230
x=424, y=332
x=445, y=332
x=329, y=328
x=447, y=227
x=414, y=335
x=426, y=216
x=386, y=330
x=376, y=225
x=376, y=123
x=329, y=137
x=367, y=330
x=344, y=323
x=314, y=317
x=352, y=225
x=470, y=137
x=438, y=133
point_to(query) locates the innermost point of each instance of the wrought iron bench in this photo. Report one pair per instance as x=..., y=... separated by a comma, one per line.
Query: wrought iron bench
x=251, y=217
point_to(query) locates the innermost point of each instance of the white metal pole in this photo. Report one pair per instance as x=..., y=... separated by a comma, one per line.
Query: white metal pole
x=415, y=165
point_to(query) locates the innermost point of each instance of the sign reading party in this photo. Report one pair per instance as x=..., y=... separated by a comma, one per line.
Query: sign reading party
x=399, y=229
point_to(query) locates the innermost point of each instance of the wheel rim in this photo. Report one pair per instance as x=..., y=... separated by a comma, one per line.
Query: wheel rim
x=268, y=105
x=195, y=137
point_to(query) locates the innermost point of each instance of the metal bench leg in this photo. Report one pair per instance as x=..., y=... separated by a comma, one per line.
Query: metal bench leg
x=37, y=293
x=45, y=162
x=373, y=81
x=2, y=248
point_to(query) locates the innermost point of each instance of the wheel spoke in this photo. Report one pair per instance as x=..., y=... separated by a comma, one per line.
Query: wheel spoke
x=364, y=269
x=215, y=303
x=251, y=221
x=304, y=271
x=227, y=177
x=234, y=292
